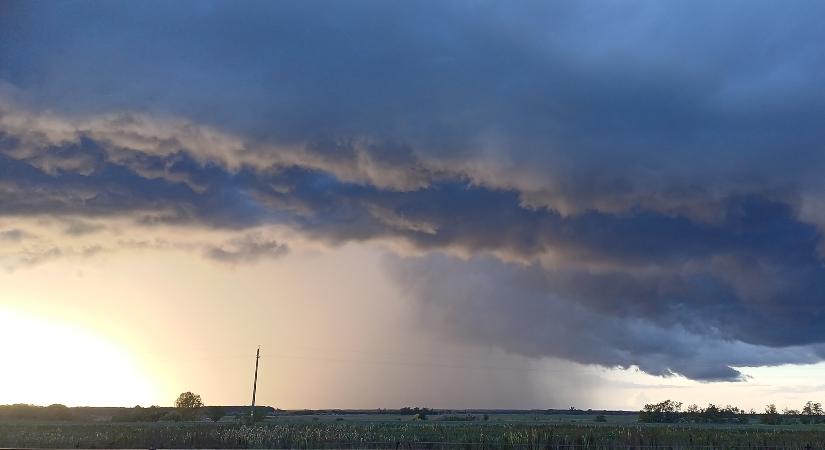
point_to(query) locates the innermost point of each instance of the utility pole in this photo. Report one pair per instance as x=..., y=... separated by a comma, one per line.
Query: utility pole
x=254, y=387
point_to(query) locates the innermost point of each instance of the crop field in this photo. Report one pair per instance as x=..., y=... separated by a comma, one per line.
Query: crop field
x=363, y=431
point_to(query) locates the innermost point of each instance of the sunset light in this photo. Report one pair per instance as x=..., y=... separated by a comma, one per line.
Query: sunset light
x=45, y=362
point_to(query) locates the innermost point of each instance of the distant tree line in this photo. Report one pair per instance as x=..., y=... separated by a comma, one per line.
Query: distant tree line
x=188, y=406
x=670, y=411
x=152, y=413
x=406, y=411
x=31, y=412
x=811, y=412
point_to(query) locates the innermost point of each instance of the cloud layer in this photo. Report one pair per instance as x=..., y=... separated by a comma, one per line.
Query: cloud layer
x=628, y=185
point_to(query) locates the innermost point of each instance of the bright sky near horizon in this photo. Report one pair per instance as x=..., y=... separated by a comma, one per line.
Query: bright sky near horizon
x=459, y=204
x=334, y=335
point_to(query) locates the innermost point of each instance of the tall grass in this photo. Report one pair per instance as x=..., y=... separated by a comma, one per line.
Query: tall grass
x=402, y=435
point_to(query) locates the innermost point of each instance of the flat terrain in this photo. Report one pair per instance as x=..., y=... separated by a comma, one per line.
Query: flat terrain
x=456, y=430
x=471, y=417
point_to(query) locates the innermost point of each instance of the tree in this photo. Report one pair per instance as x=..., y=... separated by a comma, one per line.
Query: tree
x=188, y=404
x=771, y=416
x=693, y=413
x=790, y=416
x=811, y=412
x=665, y=412
x=60, y=412
x=188, y=400
x=711, y=414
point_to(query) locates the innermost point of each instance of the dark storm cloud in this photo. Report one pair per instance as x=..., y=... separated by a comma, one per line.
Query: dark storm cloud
x=110, y=189
x=562, y=91
x=654, y=168
x=531, y=311
x=754, y=278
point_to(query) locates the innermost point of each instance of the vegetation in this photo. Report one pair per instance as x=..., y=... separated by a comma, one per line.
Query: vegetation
x=260, y=413
x=215, y=413
x=771, y=416
x=669, y=411
x=410, y=434
x=172, y=416
x=415, y=411
x=811, y=413
x=188, y=405
x=139, y=414
x=188, y=400
x=657, y=426
x=21, y=411
x=665, y=412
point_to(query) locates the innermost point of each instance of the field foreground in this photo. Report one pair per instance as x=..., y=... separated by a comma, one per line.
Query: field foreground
x=402, y=435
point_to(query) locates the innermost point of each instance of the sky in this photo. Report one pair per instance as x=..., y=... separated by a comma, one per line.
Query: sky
x=453, y=204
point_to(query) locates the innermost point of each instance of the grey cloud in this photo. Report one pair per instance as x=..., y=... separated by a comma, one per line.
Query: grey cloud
x=654, y=178
x=549, y=98
x=754, y=260
x=246, y=249
x=36, y=255
x=523, y=310
x=117, y=189
x=13, y=235
x=78, y=227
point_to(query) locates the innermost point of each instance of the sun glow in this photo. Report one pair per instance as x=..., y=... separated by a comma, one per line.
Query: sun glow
x=45, y=362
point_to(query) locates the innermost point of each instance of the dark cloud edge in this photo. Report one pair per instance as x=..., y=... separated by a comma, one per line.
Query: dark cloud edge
x=705, y=269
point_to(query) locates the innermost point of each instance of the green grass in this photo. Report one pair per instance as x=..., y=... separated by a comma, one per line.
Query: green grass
x=374, y=431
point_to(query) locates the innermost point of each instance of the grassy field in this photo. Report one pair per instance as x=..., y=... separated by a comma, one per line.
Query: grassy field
x=525, y=431
x=473, y=417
